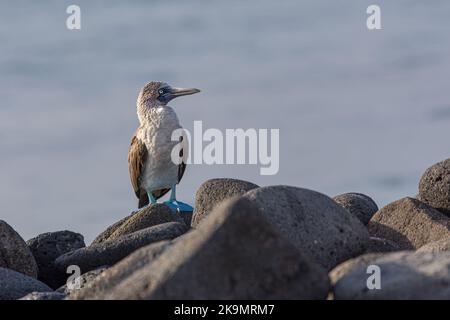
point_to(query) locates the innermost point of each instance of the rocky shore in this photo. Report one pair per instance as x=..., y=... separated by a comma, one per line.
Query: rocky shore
x=247, y=242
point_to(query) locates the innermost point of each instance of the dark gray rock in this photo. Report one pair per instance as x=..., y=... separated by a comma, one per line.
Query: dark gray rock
x=404, y=276
x=235, y=253
x=15, y=285
x=180, y=238
x=436, y=246
x=83, y=281
x=139, y=259
x=14, y=252
x=214, y=191
x=47, y=247
x=44, y=296
x=313, y=222
x=362, y=206
x=434, y=186
x=111, y=251
x=381, y=245
x=148, y=217
x=110, y=230
x=186, y=216
x=409, y=223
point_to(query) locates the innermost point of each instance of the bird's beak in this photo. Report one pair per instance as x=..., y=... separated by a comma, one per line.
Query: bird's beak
x=178, y=92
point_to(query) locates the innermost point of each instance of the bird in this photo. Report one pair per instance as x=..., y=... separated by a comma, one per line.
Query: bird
x=152, y=171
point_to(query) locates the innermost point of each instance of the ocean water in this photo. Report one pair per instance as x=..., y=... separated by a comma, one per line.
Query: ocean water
x=358, y=110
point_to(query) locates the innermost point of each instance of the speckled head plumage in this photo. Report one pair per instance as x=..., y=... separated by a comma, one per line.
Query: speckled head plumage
x=158, y=93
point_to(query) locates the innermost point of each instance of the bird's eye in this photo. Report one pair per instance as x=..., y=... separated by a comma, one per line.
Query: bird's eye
x=161, y=91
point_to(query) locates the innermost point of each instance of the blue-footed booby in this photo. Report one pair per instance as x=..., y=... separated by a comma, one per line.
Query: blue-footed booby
x=152, y=171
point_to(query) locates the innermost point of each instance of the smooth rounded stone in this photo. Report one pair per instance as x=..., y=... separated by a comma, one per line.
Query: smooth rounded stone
x=436, y=246
x=235, y=253
x=150, y=216
x=313, y=222
x=111, y=251
x=82, y=281
x=110, y=230
x=14, y=252
x=44, y=296
x=381, y=245
x=434, y=186
x=409, y=223
x=340, y=270
x=47, y=247
x=140, y=258
x=15, y=285
x=362, y=206
x=405, y=275
x=214, y=191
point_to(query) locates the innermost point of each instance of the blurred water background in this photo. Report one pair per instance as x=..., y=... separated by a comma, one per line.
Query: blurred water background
x=358, y=110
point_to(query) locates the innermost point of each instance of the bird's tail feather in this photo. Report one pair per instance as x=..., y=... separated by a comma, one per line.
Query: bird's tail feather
x=143, y=200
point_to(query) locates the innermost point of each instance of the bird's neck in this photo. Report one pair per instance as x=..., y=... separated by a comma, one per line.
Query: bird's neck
x=146, y=113
x=152, y=115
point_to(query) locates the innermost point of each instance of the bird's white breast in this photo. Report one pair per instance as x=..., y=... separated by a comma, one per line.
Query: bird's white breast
x=156, y=132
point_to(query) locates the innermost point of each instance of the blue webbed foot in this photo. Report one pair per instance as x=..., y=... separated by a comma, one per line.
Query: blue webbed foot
x=179, y=206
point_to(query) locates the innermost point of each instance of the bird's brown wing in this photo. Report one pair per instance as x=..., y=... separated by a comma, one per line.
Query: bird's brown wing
x=183, y=156
x=137, y=156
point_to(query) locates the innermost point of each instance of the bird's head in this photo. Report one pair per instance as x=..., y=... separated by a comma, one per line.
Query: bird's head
x=157, y=94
